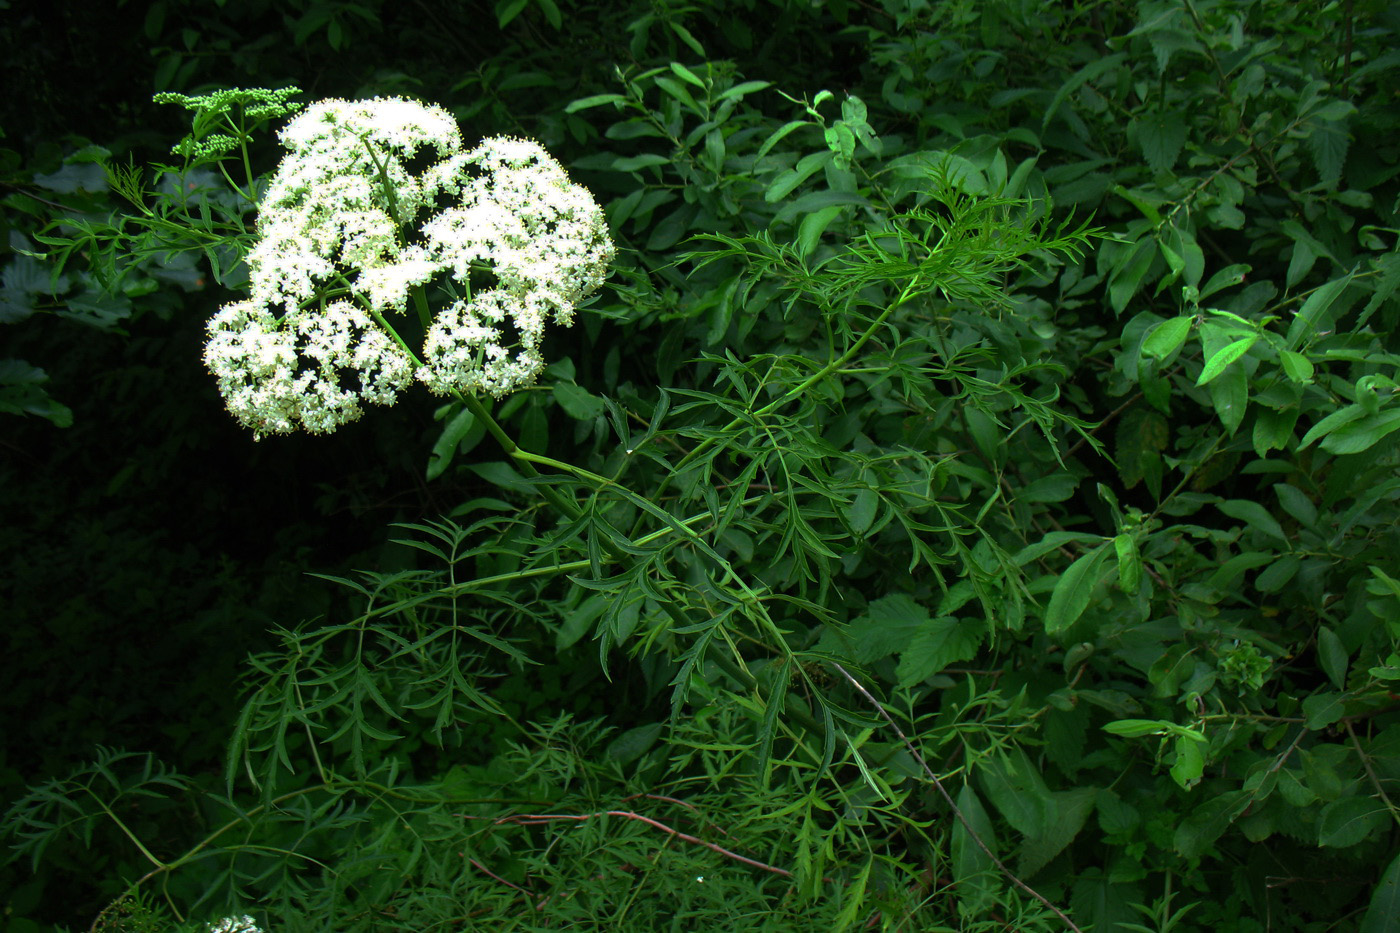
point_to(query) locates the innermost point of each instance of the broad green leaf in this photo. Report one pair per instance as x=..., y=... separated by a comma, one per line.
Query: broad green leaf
x=938, y=643
x=1361, y=434
x=1054, y=488
x=1052, y=541
x=1332, y=657
x=578, y=402
x=445, y=448
x=973, y=869
x=1014, y=786
x=1089, y=72
x=1331, y=423
x=810, y=231
x=1128, y=275
x=1297, y=367
x=1228, y=277
x=1323, y=709
x=1229, y=395
x=1273, y=429
x=1255, y=516
x=861, y=512
x=1136, y=728
x=1167, y=337
x=806, y=167
x=1347, y=821
x=1129, y=563
x=1198, y=832
x=632, y=744
x=1383, y=914
x=685, y=74
x=597, y=100
x=1190, y=761
x=1224, y=357
x=1074, y=589
x=1069, y=810
x=1311, y=315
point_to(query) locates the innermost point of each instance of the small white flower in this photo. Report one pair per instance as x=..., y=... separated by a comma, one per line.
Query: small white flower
x=244, y=924
x=346, y=216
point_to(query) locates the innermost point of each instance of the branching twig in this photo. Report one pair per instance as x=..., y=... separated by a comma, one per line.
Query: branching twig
x=534, y=819
x=957, y=811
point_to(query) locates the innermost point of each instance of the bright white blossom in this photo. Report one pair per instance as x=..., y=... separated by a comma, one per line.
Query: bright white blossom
x=378, y=198
x=235, y=925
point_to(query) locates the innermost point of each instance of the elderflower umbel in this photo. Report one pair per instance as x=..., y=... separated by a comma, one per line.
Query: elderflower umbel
x=244, y=924
x=349, y=229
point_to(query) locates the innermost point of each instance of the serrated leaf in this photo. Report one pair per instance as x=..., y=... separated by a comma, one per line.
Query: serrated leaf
x=1161, y=137
x=1328, y=142
x=937, y=644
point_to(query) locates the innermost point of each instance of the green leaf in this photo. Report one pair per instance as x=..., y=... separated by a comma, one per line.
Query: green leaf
x=1129, y=563
x=1054, y=488
x=973, y=870
x=865, y=505
x=1161, y=136
x=1136, y=728
x=1348, y=820
x=685, y=74
x=445, y=448
x=1069, y=810
x=810, y=231
x=1224, y=357
x=578, y=402
x=1383, y=914
x=1323, y=709
x=1331, y=423
x=1255, y=516
x=1074, y=589
x=937, y=644
x=1128, y=274
x=1190, y=761
x=1332, y=657
x=1310, y=318
x=1089, y=72
x=1198, y=832
x=597, y=100
x=1014, y=786
x=1167, y=337
x=806, y=167
x=1297, y=367
x=1328, y=142
x=632, y=744
x=1361, y=434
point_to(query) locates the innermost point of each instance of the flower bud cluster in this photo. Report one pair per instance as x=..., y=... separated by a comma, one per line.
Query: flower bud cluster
x=351, y=225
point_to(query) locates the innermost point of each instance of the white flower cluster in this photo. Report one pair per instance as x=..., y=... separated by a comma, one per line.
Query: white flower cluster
x=348, y=230
x=243, y=924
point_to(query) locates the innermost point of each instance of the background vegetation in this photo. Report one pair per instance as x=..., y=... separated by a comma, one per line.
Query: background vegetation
x=914, y=515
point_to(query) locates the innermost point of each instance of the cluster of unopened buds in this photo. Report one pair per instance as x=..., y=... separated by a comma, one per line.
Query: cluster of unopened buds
x=376, y=203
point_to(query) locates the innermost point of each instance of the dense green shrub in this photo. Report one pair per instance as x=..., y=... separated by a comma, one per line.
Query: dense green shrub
x=971, y=504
